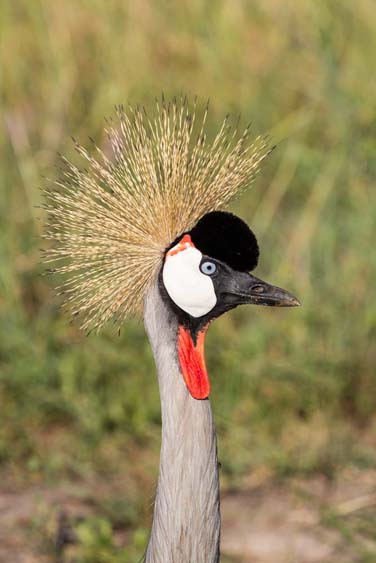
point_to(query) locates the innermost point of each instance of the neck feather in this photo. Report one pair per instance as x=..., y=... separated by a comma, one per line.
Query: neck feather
x=186, y=524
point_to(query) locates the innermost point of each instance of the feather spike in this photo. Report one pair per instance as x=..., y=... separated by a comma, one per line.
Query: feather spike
x=110, y=223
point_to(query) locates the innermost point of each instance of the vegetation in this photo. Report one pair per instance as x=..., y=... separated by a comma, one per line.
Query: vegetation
x=294, y=391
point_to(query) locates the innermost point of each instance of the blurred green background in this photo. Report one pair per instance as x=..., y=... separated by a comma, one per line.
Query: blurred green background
x=294, y=391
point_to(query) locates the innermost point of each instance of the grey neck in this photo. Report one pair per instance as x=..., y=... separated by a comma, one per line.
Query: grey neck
x=186, y=523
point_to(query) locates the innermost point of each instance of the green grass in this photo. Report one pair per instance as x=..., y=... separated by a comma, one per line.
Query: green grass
x=293, y=391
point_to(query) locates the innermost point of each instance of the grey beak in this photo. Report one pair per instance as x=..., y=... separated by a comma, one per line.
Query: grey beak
x=252, y=290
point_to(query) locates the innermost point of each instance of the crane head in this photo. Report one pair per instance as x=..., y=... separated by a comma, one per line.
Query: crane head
x=109, y=222
x=150, y=209
x=205, y=273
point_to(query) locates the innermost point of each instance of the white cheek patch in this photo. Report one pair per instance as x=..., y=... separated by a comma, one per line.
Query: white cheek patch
x=188, y=287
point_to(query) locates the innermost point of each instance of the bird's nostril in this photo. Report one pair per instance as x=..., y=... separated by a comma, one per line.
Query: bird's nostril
x=258, y=288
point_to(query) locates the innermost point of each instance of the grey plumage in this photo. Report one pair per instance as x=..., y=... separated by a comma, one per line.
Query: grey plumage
x=186, y=524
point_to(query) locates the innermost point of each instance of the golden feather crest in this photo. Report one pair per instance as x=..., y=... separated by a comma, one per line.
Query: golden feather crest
x=111, y=223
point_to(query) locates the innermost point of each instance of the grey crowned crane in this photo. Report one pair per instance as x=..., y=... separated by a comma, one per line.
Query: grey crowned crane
x=143, y=230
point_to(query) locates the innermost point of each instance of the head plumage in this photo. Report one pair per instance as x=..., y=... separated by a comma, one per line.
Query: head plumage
x=111, y=222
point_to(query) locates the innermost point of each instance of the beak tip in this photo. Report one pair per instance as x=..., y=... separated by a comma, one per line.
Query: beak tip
x=286, y=299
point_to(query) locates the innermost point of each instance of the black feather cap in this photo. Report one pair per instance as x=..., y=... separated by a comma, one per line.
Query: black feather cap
x=227, y=238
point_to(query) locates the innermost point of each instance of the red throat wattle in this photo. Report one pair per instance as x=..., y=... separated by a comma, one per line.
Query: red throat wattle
x=192, y=363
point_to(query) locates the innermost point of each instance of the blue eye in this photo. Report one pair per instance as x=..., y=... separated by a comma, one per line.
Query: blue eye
x=208, y=268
